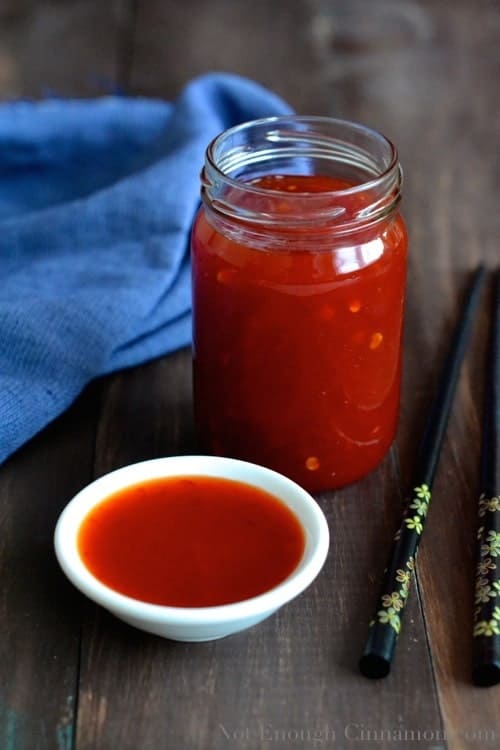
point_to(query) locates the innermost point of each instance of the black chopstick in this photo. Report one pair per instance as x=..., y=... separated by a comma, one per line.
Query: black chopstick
x=384, y=628
x=486, y=633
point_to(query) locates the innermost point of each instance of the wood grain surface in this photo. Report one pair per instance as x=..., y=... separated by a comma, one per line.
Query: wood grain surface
x=72, y=677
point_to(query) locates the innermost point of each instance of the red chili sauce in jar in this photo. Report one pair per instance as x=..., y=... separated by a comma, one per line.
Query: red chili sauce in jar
x=297, y=343
x=191, y=541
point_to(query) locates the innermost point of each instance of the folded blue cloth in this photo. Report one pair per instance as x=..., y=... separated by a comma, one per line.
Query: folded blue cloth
x=96, y=204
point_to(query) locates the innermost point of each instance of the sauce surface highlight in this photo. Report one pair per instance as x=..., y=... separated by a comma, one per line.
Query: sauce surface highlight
x=191, y=541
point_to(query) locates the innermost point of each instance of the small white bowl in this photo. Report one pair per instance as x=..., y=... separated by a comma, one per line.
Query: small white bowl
x=193, y=623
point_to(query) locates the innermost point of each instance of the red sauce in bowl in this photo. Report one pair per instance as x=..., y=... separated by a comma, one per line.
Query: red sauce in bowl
x=191, y=541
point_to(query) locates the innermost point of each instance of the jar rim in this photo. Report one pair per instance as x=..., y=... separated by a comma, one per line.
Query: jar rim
x=369, y=184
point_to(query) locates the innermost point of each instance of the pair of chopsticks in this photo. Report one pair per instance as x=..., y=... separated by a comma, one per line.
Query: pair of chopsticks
x=385, y=627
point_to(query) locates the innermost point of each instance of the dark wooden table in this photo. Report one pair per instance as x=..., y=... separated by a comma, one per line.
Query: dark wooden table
x=426, y=73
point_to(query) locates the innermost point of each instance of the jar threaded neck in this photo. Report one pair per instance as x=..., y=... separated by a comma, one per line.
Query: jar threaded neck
x=298, y=145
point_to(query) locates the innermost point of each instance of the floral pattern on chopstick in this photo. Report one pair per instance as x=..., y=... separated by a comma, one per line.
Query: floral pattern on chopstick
x=420, y=503
x=394, y=602
x=487, y=612
x=393, y=599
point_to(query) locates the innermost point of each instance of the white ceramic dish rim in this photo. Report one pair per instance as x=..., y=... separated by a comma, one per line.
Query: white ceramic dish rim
x=303, y=505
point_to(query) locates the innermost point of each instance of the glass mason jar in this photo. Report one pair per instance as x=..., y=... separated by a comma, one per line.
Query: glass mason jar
x=298, y=271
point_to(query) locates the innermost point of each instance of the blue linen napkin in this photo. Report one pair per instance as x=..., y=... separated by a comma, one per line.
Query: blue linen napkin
x=97, y=198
